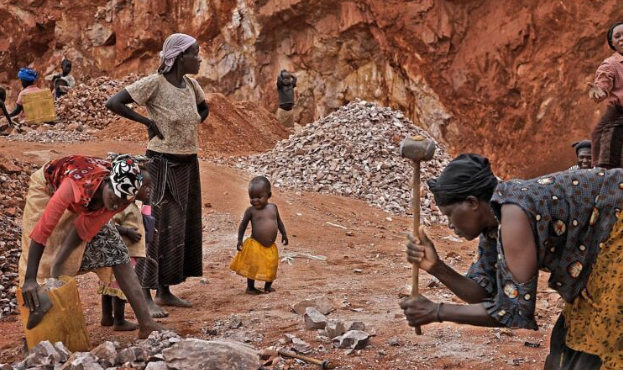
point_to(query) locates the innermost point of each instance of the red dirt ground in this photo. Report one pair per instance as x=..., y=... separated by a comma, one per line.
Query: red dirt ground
x=371, y=296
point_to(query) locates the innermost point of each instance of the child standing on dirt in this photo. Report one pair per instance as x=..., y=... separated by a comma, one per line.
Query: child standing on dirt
x=258, y=257
x=608, y=85
x=136, y=228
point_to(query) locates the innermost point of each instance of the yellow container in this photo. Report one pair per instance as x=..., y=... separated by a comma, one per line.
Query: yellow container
x=63, y=323
x=39, y=107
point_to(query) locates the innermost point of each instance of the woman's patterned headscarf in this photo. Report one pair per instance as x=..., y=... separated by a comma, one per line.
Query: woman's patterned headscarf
x=125, y=177
x=173, y=46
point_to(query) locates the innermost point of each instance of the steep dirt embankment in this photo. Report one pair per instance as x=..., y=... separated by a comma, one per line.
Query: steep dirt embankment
x=502, y=77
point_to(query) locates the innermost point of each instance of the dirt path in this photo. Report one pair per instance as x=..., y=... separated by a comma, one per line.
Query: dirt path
x=364, y=275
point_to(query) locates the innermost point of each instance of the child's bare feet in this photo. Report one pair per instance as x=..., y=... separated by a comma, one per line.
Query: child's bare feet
x=125, y=326
x=253, y=291
x=268, y=287
x=107, y=320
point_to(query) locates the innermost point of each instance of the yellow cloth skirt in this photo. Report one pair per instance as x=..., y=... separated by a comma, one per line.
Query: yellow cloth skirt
x=256, y=261
x=594, y=320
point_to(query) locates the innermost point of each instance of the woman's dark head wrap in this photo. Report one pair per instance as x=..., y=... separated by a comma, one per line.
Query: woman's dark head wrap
x=465, y=175
x=582, y=144
x=610, y=32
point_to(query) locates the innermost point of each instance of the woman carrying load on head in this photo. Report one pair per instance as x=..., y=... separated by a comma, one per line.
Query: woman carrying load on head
x=568, y=223
x=56, y=242
x=176, y=106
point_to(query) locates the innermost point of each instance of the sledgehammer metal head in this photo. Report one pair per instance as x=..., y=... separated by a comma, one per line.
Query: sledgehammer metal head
x=417, y=148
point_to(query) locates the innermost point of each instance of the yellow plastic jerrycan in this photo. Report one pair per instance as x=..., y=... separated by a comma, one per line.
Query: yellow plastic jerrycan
x=64, y=322
x=39, y=107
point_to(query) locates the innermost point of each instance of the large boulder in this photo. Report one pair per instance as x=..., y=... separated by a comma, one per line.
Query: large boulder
x=211, y=355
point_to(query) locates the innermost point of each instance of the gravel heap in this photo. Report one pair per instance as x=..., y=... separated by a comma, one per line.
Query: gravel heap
x=14, y=177
x=353, y=152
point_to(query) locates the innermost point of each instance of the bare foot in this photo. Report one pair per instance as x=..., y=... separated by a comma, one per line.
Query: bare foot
x=269, y=290
x=107, y=321
x=125, y=326
x=253, y=291
x=156, y=311
x=145, y=330
x=171, y=300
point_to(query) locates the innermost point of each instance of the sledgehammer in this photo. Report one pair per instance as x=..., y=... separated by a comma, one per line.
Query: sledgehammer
x=417, y=149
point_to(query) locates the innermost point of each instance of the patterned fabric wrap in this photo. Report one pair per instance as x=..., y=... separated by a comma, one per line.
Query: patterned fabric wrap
x=125, y=177
x=105, y=250
x=87, y=173
x=572, y=214
x=173, y=46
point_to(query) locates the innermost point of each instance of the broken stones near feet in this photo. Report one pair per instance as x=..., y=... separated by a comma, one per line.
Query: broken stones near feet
x=162, y=350
x=299, y=345
x=344, y=334
x=211, y=355
x=353, y=339
x=353, y=152
x=335, y=328
x=314, y=319
x=322, y=304
x=82, y=361
x=43, y=354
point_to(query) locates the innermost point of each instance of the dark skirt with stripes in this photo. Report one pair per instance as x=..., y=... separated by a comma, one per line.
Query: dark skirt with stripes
x=175, y=252
x=607, y=139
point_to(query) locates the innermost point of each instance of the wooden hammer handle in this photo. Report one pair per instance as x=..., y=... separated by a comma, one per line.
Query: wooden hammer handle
x=324, y=364
x=416, y=227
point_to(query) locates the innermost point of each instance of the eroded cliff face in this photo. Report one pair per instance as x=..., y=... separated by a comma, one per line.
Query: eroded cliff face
x=506, y=78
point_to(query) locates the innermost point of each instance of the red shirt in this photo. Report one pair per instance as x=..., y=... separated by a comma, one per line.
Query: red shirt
x=609, y=77
x=72, y=182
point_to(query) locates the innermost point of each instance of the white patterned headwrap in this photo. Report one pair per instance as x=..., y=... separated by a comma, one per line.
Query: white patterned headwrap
x=126, y=177
x=173, y=46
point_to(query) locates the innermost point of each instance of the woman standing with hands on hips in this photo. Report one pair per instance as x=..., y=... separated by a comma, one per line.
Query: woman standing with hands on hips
x=176, y=106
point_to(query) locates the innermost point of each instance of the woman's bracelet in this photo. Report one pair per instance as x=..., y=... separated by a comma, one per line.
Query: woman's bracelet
x=438, y=312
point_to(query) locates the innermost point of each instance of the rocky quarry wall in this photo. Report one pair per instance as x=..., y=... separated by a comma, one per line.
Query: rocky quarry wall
x=506, y=78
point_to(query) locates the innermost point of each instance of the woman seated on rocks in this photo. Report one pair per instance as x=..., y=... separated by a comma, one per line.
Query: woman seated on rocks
x=567, y=223
x=93, y=191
